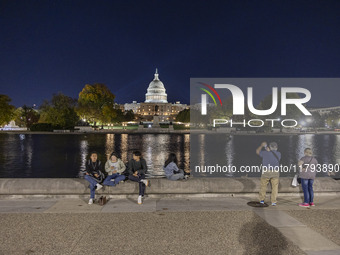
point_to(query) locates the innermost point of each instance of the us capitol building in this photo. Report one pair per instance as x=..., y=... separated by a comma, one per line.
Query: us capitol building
x=156, y=103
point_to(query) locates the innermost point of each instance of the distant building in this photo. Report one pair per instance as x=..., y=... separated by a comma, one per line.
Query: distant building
x=156, y=92
x=134, y=107
x=118, y=106
x=156, y=103
x=325, y=110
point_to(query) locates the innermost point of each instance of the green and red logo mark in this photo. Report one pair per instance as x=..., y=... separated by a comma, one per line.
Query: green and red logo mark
x=213, y=90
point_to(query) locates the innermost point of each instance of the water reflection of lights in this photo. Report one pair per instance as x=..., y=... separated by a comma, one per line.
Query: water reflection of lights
x=22, y=154
x=84, y=148
x=179, y=155
x=229, y=152
x=305, y=141
x=155, y=153
x=336, y=150
x=187, y=151
x=29, y=153
x=29, y=156
x=110, y=144
x=22, y=144
x=201, y=141
x=123, y=147
x=325, y=150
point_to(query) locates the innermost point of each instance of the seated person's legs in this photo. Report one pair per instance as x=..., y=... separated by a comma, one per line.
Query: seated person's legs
x=134, y=178
x=178, y=176
x=119, y=178
x=91, y=180
x=93, y=184
x=107, y=180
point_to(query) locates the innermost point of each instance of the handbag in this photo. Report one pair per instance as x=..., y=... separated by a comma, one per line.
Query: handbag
x=295, y=182
x=299, y=180
x=102, y=200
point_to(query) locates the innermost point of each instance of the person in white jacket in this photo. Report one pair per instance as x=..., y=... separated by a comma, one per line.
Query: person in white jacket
x=114, y=166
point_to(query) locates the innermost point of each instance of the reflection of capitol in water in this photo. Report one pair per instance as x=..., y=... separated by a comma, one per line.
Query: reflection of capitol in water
x=62, y=156
x=155, y=149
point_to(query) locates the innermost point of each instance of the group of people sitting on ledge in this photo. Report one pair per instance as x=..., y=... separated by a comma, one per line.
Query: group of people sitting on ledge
x=117, y=172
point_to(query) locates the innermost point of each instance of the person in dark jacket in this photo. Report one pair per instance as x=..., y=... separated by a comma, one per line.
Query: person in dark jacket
x=94, y=175
x=137, y=169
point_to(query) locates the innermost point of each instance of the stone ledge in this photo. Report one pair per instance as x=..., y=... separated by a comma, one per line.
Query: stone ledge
x=75, y=186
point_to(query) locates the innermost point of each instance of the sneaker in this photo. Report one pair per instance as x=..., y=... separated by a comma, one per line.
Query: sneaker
x=262, y=202
x=98, y=186
x=90, y=201
x=273, y=204
x=139, y=201
x=304, y=205
x=312, y=204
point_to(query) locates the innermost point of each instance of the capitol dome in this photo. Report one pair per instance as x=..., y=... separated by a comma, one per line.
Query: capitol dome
x=156, y=91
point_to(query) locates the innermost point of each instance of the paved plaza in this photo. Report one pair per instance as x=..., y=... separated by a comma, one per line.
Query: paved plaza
x=182, y=225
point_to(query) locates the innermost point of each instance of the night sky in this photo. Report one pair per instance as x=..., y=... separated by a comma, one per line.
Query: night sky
x=59, y=46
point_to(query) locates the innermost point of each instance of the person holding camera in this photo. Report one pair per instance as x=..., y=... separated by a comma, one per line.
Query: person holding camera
x=270, y=170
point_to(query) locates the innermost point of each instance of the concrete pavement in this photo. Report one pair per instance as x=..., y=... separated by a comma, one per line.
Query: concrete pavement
x=184, y=225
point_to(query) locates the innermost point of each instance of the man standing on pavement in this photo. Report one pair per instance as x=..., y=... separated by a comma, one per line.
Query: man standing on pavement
x=270, y=170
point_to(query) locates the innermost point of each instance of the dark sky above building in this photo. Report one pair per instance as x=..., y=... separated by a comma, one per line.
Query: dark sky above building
x=50, y=46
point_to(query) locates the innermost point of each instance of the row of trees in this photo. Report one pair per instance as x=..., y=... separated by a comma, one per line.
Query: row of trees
x=6, y=110
x=94, y=105
x=226, y=112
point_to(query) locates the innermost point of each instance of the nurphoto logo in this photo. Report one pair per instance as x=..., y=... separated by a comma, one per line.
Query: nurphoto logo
x=238, y=107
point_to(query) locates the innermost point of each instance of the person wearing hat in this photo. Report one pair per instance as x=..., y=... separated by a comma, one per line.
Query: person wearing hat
x=270, y=170
x=114, y=167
